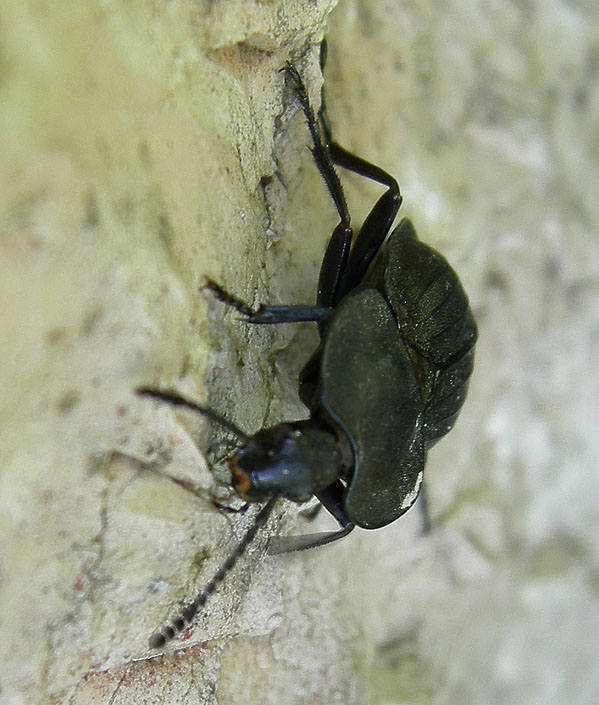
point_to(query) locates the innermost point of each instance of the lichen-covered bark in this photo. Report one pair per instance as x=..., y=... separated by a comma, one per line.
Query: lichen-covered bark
x=146, y=146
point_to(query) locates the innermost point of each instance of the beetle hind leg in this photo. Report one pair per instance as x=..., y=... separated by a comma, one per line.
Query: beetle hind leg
x=377, y=223
x=320, y=150
x=337, y=252
x=375, y=228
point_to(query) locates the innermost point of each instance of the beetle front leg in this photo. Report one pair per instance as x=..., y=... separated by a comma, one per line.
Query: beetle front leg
x=269, y=315
x=332, y=500
x=423, y=506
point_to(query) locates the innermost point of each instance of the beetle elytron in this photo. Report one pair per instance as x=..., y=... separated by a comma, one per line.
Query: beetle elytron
x=387, y=380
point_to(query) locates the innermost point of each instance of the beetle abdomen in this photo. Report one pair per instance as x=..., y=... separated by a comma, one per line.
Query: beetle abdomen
x=436, y=323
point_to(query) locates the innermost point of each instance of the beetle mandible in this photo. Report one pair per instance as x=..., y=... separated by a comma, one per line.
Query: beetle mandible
x=388, y=379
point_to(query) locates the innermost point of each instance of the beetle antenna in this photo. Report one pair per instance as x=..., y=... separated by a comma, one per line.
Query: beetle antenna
x=177, y=400
x=172, y=627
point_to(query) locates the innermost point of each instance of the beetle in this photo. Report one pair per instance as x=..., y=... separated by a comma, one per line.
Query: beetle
x=386, y=382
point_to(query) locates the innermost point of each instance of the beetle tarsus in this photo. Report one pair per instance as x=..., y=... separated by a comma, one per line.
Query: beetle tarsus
x=226, y=298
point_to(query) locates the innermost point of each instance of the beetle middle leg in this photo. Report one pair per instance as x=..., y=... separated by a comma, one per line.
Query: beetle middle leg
x=269, y=315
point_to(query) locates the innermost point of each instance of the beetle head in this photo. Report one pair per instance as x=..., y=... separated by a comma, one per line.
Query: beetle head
x=294, y=460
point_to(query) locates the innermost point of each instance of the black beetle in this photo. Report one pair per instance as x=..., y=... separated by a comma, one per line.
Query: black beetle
x=387, y=381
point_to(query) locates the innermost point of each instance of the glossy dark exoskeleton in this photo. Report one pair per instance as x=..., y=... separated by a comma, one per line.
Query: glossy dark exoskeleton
x=387, y=380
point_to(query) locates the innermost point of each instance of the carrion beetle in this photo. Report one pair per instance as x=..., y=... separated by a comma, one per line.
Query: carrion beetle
x=387, y=381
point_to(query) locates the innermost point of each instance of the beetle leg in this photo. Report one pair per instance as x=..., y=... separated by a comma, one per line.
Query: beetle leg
x=310, y=513
x=288, y=544
x=265, y=315
x=423, y=505
x=337, y=252
x=319, y=150
x=377, y=224
x=323, y=117
x=333, y=266
x=375, y=228
x=332, y=500
x=231, y=510
x=289, y=314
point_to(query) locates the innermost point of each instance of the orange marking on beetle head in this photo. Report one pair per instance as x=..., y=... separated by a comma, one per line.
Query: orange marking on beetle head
x=241, y=480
